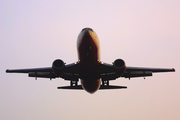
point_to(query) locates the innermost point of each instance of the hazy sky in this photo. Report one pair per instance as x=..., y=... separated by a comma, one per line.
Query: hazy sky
x=144, y=33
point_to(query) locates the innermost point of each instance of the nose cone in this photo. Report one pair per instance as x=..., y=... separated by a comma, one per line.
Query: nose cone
x=86, y=32
x=91, y=86
x=87, y=29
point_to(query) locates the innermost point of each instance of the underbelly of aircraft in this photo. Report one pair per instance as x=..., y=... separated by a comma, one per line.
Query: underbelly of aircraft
x=92, y=85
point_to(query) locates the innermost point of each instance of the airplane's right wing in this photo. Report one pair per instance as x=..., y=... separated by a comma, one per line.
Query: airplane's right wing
x=70, y=72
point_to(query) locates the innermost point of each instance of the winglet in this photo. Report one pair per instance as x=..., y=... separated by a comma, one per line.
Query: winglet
x=7, y=70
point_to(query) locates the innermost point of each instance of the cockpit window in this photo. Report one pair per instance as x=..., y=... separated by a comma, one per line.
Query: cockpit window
x=87, y=29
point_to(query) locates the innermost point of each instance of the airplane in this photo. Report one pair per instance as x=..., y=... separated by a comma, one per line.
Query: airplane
x=89, y=69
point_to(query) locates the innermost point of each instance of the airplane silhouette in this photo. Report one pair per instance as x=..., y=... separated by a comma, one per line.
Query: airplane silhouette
x=92, y=73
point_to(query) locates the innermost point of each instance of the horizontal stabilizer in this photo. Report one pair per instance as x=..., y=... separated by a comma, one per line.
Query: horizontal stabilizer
x=112, y=87
x=79, y=87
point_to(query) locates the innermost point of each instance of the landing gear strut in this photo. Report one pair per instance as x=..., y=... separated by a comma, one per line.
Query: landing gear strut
x=105, y=82
x=74, y=83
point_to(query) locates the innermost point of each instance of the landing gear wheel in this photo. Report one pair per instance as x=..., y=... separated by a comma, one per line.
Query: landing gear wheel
x=105, y=83
x=74, y=83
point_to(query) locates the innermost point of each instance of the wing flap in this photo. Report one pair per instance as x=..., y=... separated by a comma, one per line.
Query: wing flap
x=70, y=76
x=132, y=74
x=42, y=74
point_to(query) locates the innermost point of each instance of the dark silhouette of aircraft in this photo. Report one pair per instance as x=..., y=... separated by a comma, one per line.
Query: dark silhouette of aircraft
x=92, y=73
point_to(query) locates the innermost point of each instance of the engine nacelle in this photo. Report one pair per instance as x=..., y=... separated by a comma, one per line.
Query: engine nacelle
x=58, y=67
x=119, y=66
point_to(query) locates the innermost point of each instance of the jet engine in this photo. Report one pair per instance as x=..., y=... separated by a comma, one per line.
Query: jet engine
x=119, y=66
x=58, y=66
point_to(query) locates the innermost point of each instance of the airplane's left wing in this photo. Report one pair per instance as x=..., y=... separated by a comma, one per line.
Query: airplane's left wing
x=70, y=72
x=143, y=71
x=108, y=72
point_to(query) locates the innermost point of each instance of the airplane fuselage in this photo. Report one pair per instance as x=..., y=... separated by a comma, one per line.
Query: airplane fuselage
x=89, y=58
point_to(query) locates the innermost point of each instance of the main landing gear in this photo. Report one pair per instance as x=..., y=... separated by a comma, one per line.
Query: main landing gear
x=105, y=85
x=105, y=82
x=74, y=83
